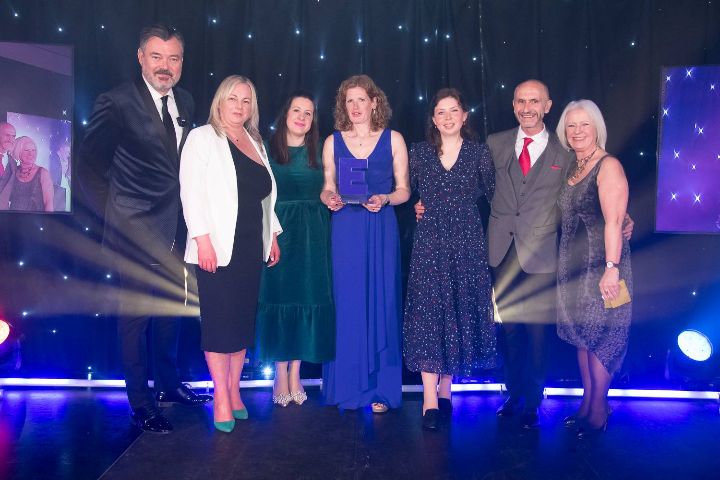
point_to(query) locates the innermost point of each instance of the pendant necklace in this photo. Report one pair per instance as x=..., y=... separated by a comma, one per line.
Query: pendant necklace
x=580, y=165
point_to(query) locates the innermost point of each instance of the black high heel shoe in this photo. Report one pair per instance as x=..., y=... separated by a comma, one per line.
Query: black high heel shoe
x=431, y=419
x=446, y=407
x=586, y=431
x=572, y=421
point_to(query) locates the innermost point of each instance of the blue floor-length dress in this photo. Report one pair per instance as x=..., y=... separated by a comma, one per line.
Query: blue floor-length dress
x=367, y=292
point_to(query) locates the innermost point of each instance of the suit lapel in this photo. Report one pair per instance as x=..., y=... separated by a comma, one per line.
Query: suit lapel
x=184, y=114
x=159, y=129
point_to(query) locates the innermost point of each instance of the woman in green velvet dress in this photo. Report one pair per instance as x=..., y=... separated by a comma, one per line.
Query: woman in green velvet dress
x=296, y=316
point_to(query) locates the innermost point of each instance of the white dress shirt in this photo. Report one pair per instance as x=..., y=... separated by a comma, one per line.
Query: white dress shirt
x=172, y=108
x=535, y=148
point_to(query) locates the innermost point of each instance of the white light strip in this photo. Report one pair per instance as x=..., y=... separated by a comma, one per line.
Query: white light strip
x=316, y=382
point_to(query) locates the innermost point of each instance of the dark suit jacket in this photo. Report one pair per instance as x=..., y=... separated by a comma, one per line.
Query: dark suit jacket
x=129, y=163
x=533, y=221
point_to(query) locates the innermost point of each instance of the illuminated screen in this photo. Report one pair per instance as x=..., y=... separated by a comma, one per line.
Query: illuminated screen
x=688, y=186
x=36, y=102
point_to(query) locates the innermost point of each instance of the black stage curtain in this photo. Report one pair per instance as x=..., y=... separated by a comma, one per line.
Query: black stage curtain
x=610, y=51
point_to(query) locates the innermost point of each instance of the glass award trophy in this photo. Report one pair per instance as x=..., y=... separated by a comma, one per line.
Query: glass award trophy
x=352, y=185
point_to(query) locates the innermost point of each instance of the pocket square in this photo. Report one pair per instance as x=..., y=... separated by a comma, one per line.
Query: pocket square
x=555, y=167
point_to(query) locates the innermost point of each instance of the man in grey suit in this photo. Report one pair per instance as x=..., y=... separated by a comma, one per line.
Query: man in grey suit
x=530, y=166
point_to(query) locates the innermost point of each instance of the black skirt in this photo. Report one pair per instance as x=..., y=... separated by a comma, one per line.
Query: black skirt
x=228, y=297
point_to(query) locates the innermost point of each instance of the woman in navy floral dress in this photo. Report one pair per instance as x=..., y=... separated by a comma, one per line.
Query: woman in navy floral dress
x=449, y=327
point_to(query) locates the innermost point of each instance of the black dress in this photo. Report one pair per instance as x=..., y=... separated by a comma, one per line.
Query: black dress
x=583, y=320
x=228, y=297
x=449, y=326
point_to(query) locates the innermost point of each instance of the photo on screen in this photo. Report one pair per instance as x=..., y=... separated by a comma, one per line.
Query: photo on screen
x=36, y=101
x=688, y=178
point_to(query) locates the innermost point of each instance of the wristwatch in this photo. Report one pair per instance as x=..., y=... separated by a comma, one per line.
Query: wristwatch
x=610, y=264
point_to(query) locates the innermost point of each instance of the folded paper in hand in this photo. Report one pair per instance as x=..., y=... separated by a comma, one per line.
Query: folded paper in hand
x=622, y=298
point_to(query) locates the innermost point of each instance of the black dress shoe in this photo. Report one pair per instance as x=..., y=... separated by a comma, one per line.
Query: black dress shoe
x=149, y=419
x=183, y=396
x=509, y=408
x=445, y=406
x=529, y=419
x=431, y=419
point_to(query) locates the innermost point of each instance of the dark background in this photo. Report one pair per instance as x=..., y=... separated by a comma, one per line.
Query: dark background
x=610, y=51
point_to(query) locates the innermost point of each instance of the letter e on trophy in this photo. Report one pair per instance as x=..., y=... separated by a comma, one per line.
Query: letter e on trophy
x=351, y=180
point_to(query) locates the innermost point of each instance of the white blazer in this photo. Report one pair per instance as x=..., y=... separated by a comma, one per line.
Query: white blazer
x=208, y=190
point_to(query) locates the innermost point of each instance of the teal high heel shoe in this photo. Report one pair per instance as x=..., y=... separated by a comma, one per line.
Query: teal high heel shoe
x=241, y=414
x=225, y=427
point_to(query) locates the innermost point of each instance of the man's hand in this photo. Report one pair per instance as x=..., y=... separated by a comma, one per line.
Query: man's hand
x=627, y=227
x=419, y=210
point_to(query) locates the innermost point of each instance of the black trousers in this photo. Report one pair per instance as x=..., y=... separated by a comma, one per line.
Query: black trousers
x=526, y=304
x=148, y=301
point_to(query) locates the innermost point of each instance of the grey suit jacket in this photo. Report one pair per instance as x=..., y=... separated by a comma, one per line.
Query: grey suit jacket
x=533, y=221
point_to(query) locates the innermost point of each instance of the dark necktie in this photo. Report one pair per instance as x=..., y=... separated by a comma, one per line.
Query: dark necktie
x=167, y=120
x=524, y=158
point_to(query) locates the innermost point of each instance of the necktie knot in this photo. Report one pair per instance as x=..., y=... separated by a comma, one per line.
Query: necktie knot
x=164, y=100
x=524, y=158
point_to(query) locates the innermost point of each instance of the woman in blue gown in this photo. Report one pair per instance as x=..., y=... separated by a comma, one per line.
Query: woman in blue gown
x=367, y=369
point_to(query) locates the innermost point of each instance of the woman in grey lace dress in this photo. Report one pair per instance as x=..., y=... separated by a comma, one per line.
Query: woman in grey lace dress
x=594, y=257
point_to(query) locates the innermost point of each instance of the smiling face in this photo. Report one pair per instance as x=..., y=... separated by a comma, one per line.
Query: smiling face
x=580, y=131
x=161, y=63
x=299, y=117
x=530, y=103
x=236, y=109
x=359, y=106
x=28, y=153
x=7, y=137
x=448, y=116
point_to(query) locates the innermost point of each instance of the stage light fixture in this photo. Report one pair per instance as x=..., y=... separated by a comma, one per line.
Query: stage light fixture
x=10, y=359
x=4, y=331
x=695, y=345
x=267, y=371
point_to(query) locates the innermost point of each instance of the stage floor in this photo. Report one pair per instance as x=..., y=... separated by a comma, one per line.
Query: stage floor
x=86, y=434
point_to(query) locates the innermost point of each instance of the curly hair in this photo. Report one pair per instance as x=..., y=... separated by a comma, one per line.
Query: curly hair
x=432, y=135
x=382, y=113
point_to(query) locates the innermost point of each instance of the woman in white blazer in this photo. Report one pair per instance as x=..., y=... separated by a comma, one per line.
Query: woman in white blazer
x=228, y=194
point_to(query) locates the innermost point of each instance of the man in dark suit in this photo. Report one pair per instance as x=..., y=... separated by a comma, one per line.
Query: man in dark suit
x=530, y=166
x=7, y=163
x=130, y=158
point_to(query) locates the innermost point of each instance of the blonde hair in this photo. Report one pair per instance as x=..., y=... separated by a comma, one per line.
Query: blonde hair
x=589, y=107
x=223, y=93
x=20, y=145
x=382, y=113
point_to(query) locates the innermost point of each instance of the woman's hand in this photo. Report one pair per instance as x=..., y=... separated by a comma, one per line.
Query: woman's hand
x=207, y=259
x=609, y=286
x=274, y=252
x=331, y=200
x=419, y=210
x=376, y=202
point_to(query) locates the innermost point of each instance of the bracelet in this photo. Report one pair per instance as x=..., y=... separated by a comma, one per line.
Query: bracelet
x=387, y=200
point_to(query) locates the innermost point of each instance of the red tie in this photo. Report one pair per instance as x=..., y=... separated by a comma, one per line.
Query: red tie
x=525, y=157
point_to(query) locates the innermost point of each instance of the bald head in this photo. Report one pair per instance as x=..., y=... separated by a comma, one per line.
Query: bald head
x=531, y=102
x=7, y=137
x=532, y=83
